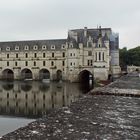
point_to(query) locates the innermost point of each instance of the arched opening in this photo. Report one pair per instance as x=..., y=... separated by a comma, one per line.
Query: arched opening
x=44, y=74
x=110, y=77
x=86, y=81
x=59, y=75
x=26, y=74
x=8, y=74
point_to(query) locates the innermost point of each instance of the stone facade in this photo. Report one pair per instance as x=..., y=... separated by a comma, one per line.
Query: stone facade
x=93, y=50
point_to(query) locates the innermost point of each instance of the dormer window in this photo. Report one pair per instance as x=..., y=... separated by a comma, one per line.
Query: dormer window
x=7, y=48
x=52, y=46
x=26, y=47
x=16, y=48
x=35, y=47
x=44, y=47
x=71, y=45
x=63, y=46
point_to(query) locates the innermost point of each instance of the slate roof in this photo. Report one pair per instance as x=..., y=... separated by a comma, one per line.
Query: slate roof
x=31, y=43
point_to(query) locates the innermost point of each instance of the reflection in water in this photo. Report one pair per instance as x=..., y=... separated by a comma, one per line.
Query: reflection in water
x=8, y=85
x=34, y=99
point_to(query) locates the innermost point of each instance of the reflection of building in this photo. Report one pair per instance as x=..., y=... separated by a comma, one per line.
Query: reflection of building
x=91, y=51
x=34, y=99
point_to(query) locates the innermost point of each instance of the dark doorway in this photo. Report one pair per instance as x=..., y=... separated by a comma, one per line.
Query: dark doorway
x=26, y=74
x=8, y=74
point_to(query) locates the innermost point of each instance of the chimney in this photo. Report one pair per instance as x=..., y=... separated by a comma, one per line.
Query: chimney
x=85, y=31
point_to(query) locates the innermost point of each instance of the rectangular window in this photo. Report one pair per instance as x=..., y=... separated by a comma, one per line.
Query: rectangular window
x=90, y=62
x=44, y=63
x=35, y=55
x=52, y=63
x=63, y=63
x=16, y=55
x=34, y=63
x=15, y=63
x=26, y=63
x=26, y=55
x=70, y=54
x=103, y=56
x=7, y=55
x=99, y=56
x=44, y=55
x=63, y=54
x=52, y=54
x=7, y=63
x=89, y=53
x=71, y=63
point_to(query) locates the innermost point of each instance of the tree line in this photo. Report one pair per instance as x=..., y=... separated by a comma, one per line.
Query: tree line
x=129, y=57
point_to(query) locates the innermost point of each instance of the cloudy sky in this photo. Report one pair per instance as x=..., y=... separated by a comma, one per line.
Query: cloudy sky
x=51, y=19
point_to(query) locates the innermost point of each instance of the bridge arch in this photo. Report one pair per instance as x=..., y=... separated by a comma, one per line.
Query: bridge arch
x=26, y=74
x=7, y=74
x=86, y=81
x=44, y=74
x=85, y=76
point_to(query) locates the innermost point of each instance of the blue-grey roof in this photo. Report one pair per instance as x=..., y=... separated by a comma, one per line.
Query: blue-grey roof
x=31, y=43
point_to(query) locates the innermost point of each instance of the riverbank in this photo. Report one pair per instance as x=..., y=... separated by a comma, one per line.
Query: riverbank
x=91, y=117
x=127, y=85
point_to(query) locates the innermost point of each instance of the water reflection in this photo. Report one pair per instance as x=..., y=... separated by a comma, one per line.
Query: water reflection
x=33, y=99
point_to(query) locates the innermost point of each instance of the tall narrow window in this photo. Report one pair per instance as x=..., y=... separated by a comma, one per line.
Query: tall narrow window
x=52, y=54
x=63, y=54
x=103, y=56
x=7, y=63
x=91, y=62
x=15, y=63
x=35, y=55
x=16, y=55
x=7, y=55
x=99, y=56
x=26, y=63
x=44, y=63
x=88, y=62
x=96, y=56
x=34, y=63
x=63, y=63
x=44, y=55
x=52, y=63
x=26, y=55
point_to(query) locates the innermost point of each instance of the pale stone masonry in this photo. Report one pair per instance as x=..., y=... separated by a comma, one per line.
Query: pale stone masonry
x=92, y=51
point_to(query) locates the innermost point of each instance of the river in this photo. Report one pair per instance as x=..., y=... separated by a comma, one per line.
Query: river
x=23, y=102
